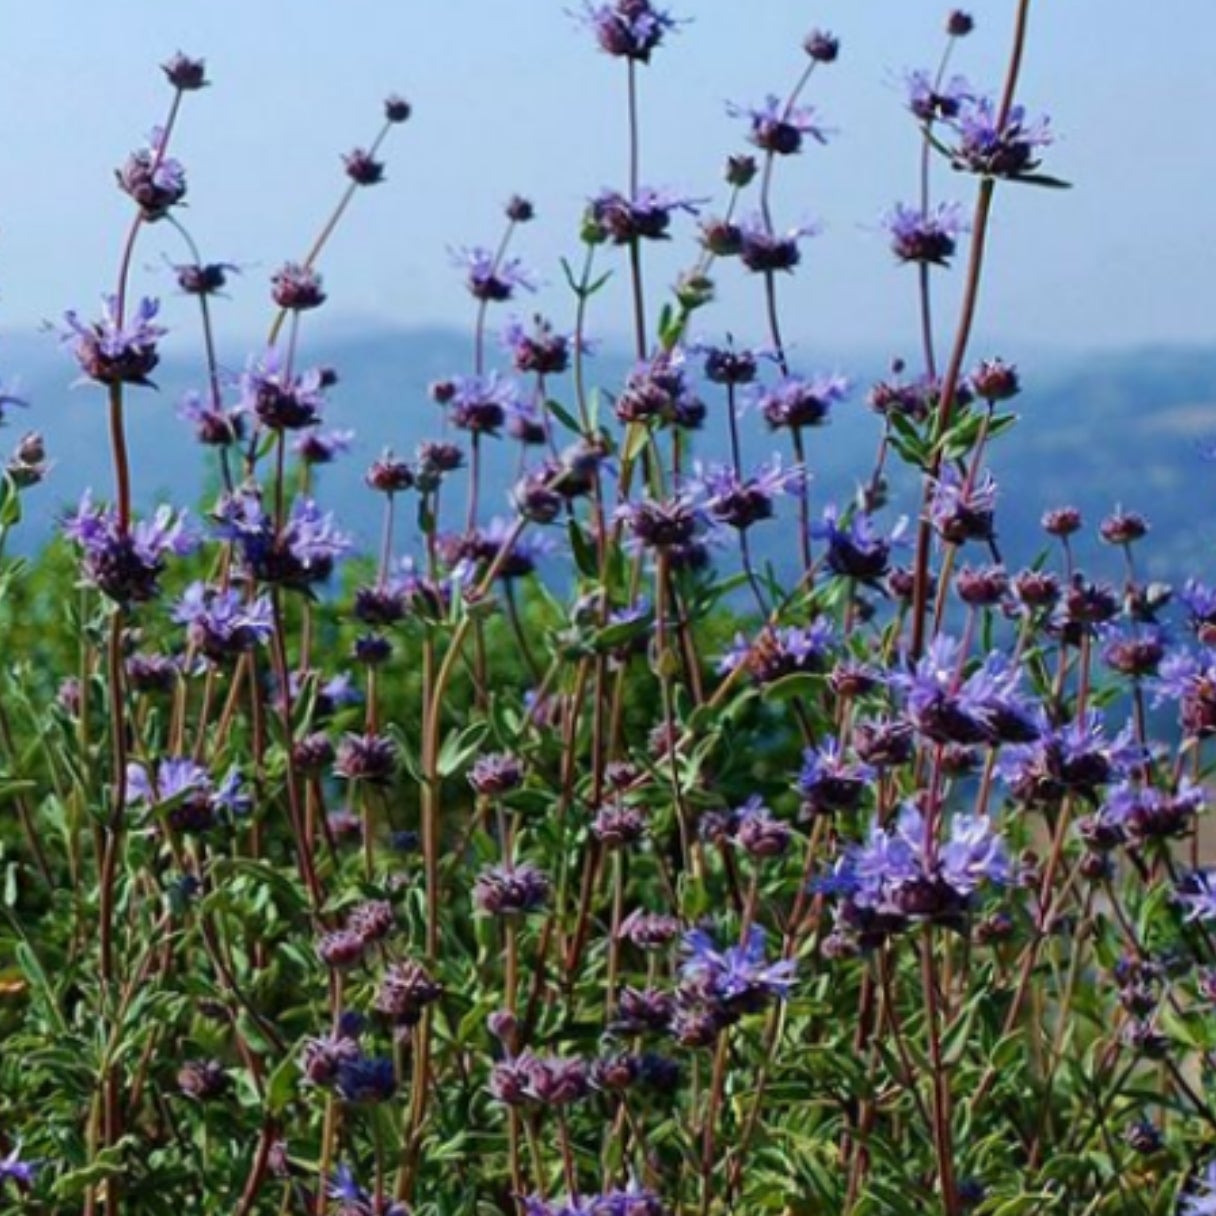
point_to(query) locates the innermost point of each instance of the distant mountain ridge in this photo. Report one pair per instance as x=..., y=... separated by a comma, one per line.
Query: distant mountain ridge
x=1096, y=431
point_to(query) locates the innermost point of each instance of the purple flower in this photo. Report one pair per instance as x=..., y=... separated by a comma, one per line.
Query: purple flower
x=777, y=127
x=855, y=548
x=764, y=251
x=304, y=553
x=829, y=782
x=628, y=29
x=1200, y=601
x=963, y=508
x=1134, y=650
x=1201, y=1197
x=184, y=791
x=897, y=875
x=222, y=623
x=740, y=502
x=281, y=399
x=1143, y=813
x=927, y=237
x=362, y=167
x=795, y=401
x=539, y=348
x=318, y=447
x=111, y=351
x=758, y=832
x=489, y=277
x=185, y=73
x=738, y=978
x=647, y=216
x=355, y=1201
x=480, y=404
x=296, y=288
x=511, y=890
x=21, y=1173
x=930, y=100
x=126, y=563
x=671, y=524
x=1196, y=892
x=986, y=707
x=366, y=1080
x=1190, y=679
x=214, y=425
x=660, y=391
x=155, y=181
x=204, y=279
x=1076, y=757
x=781, y=651
x=994, y=148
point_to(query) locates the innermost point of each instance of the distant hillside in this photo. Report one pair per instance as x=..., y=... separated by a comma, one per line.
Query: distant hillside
x=1096, y=431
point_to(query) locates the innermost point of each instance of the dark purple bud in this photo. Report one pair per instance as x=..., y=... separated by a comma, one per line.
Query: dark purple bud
x=203, y=1080
x=503, y=1025
x=644, y=1009
x=372, y=920
x=740, y=169
x=982, y=588
x=519, y=210
x=994, y=380
x=959, y=23
x=185, y=74
x=406, y=990
x=821, y=46
x=380, y=606
x=341, y=949
x=389, y=475
x=722, y=238
x=203, y=280
x=1123, y=528
x=649, y=930
x=496, y=774
x=1062, y=521
x=396, y=109
x=1144, y=1138
x=372, y=650
x=366, y=1080
x=296, y=288
x=615, y=1073
x=763, y=836
x=884, y=744
x=371, y=758
x=1036, y=588
x=362, y=168
x=313, y=754
x=511, y=890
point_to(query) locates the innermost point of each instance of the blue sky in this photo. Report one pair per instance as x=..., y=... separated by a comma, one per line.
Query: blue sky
x=514, y=97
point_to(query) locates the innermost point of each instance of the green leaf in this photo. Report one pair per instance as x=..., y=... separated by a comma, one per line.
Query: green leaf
x=564, y=416
x=281, y=1085
x=1042, y=179
x=459, y=747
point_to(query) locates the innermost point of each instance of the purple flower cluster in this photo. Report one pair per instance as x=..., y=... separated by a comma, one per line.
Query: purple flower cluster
x=298, y=556
x=222, y=623
x=183, y=791
x=927, y=237
x=115, y=351
x=901, y=875
x=280, y=399
x=491, y=278
x=949, y=707
x=628, y=29
x=125, y=563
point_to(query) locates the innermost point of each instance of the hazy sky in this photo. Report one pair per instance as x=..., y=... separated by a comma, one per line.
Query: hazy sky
x=513, y=96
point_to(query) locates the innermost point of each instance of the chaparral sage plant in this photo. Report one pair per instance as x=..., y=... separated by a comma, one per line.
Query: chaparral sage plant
x=585, y=850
